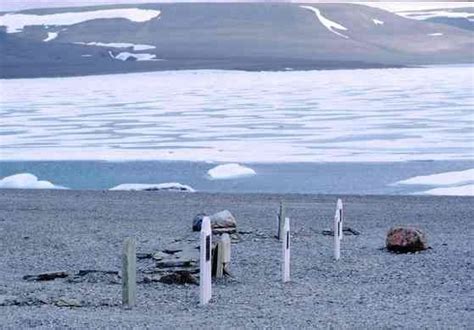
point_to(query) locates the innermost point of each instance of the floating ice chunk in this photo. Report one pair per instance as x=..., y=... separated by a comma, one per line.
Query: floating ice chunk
x=136, y=47
x=229, y=171
x=442, y=179
x=464, y=190
x=438, y=34
x=377, y=22
x=330, y=25
x=125, y=56
x=51, y=36
x=169, y=186
x=86, y=55
x=26, y=181
x=16, y=22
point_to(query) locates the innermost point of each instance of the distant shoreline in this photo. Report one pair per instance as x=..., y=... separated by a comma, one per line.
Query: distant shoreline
x=163, y=66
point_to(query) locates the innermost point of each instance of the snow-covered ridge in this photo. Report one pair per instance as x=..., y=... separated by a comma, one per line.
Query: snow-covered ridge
x=125, y=56
x=168, y=186
x=17, y=22
x=229, y=171
x=136, y=47
x=328, y=24
x=26, y=181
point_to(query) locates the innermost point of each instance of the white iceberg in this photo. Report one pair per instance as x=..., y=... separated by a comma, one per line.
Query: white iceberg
x=442, y=179
x=437, y=34
x=26, y=181
x=168, y=186
x=330, y=25
x=15, y=22
x=230, y=171
x=135, y=47
x=464, y=190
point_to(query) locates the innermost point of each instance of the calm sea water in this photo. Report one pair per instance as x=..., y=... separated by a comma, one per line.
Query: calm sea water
x=348, y=116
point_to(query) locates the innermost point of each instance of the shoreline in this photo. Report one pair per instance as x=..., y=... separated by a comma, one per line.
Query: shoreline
x=74, y=230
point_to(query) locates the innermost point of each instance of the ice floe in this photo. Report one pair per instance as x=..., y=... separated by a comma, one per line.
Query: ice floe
x=437, y=34
x=126, y=56
x=442, y=179
x=377, y=22
x=168, y=186
x=51, y=36
x=135, y=47
x=229, y=171
x=330, y=25
x=16, y=22
x=233, y=116
x=26, y=181
x=464, y=190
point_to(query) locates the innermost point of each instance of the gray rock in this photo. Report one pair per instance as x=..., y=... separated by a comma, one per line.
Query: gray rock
x=221, y=222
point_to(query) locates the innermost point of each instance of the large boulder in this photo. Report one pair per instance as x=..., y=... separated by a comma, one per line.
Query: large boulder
x=406, y=239
x=221, y=222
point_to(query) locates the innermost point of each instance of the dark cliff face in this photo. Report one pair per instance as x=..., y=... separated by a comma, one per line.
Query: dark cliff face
x=253, y=36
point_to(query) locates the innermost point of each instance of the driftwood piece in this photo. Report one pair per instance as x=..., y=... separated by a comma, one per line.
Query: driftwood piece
x=45, y=276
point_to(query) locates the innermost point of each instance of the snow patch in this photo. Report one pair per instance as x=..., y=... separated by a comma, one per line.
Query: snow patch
x=51, y=36
x=169, y=186
x=435, y=34
x=125, y=56
x=136, y=47
x=26, y=181
x=16, y=22
x=230, y=171
x=330, y=25
x=442, y=179
x=422, y=15
x=377, y=22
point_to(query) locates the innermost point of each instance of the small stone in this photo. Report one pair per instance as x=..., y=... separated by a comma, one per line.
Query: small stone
x=180, y=277
x=406, y=240
x=68, y=302
x=7, y=300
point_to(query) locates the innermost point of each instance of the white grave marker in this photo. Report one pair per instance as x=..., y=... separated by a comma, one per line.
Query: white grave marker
x=205, y=265
x=286, y=251
x=338, y=221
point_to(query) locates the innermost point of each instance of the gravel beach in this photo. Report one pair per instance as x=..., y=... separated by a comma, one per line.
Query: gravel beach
x=43, y=231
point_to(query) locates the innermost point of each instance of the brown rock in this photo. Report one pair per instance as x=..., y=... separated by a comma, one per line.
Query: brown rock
x=405, y=239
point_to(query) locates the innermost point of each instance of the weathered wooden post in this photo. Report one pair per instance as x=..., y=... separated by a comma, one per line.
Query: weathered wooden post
x=223, y=255
x=286, y=251
x=205, y=264
x=129, y=273
x=281, y=221
x=338, y=230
